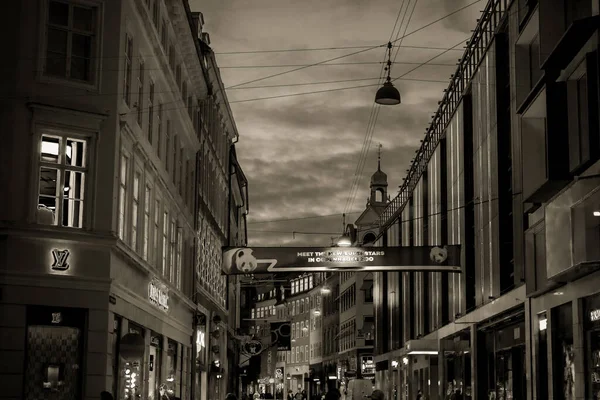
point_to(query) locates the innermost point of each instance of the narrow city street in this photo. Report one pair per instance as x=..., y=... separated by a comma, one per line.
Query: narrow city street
x=300, y=200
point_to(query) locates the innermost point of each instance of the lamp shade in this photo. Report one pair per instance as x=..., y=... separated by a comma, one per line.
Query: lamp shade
x=387, y=95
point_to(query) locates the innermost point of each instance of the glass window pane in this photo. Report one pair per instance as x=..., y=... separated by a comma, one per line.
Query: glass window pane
x=84, y=19
x=57, y=41
x=74, y=185
x=81, y=46
x=72, y=213
x=58, y=13
x=80, y=68
x=48, y=181
x=50, y=149
x=76, y=152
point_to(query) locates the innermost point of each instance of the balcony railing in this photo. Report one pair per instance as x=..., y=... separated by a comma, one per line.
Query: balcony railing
x=492, y=17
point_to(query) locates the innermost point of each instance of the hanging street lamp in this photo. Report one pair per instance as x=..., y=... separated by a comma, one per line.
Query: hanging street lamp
x=388, y=95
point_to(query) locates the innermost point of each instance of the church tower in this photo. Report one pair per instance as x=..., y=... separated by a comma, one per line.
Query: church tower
x=379, y=184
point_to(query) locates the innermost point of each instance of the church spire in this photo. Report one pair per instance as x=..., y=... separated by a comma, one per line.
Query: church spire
x=379, y=157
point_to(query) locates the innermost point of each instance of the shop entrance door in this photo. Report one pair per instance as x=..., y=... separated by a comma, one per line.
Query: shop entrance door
x=510, y=374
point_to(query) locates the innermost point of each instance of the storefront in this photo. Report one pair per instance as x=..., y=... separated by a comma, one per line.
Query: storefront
x=456, y=359
x=501, y=363
x=91, y=322
x=592, y=346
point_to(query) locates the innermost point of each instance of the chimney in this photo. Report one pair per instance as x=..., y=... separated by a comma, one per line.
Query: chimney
x=198, y=23
x=206, y=38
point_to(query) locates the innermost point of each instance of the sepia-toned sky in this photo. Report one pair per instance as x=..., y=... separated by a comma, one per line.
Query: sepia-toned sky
x=300, y=153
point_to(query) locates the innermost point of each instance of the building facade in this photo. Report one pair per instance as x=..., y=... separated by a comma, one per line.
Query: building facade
x=512, y=151
x=107, y=108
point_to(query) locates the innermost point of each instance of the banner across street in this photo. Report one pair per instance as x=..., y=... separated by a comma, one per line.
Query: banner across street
x=255, y=260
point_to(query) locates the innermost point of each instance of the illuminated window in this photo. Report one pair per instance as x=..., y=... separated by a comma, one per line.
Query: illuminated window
x=63, y=168
x=71, y=45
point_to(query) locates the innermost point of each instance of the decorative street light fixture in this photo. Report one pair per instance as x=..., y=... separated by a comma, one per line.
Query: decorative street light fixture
x=388, y=95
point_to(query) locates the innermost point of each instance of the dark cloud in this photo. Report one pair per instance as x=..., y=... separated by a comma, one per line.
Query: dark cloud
x=300, y=153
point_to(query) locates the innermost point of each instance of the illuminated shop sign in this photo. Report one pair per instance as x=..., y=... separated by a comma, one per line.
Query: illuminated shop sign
x=367, y=366
x=158, y=294
x=594, y=315
x=60, y=258
x=246, y=260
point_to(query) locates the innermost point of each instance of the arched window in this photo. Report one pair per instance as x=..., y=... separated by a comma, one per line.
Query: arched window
x=379, y=195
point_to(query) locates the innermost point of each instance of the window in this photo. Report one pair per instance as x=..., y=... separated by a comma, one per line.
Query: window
x=164, y=36
x=135, y=209
x=172, y=251
x=181, y=174
x=179, y=258
x=168, y=145
x=156, y=231
x=178, y=75
x=150, y=111
x=156, y=14
x=175, y=151
x=128, y=67
x=165, y=243
x=190, y=104
x=63, y=166
x=184, y=91
x=71, y=40
x=159, y=130
x=140, y=104
x=172, y=57
x=146, y=239
x=123, y=196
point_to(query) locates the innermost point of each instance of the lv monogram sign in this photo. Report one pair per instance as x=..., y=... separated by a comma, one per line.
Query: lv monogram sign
x=60, y=260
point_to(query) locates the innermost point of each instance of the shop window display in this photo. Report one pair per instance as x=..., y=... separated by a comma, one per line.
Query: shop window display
x=131, y=376
x=154, y=364
x=563, y=352
x=54, y=353
x=592, y=338
x=172, y=372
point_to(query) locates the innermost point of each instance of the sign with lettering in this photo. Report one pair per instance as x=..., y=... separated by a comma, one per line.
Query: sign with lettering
x=158, y=294
x=60, y=260
x=594, y=315
x=246, y=260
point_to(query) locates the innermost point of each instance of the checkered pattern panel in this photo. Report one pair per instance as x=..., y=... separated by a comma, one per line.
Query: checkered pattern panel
x=208, y=262
x=52, y=345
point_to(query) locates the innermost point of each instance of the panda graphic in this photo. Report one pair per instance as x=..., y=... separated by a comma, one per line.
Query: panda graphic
x=438, y=254
x=242, y=260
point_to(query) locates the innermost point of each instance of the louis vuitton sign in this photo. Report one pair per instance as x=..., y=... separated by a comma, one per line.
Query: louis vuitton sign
x=60, y=260
x=158, y=294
